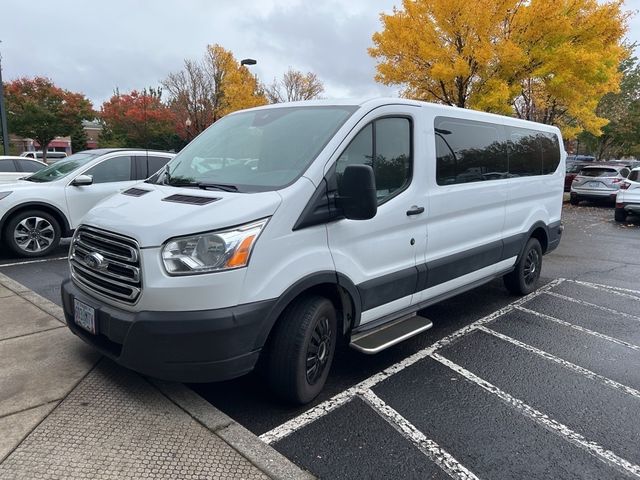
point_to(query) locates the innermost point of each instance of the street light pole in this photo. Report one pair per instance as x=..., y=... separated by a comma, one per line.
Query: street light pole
x=3, y=114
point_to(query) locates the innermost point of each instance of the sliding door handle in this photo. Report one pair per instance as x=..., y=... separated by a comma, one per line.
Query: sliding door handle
x=415, y=210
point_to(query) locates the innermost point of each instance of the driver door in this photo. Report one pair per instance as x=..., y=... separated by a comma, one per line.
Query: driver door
x=110, y=176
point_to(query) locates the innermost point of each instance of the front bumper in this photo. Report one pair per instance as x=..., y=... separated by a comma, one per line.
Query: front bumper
x=191, y=346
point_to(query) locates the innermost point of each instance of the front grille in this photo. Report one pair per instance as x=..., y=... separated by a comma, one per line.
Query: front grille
x=106, y=263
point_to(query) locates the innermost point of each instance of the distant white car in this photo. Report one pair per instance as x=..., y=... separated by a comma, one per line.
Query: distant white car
x=13, y=168
x=36, y=211
x=628, y=198
x=51, y=156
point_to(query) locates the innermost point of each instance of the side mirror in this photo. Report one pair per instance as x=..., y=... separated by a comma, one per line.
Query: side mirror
x=358, y=195
x=82, y=181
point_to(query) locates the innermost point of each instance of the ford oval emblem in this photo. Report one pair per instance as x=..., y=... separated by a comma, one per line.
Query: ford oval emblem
x=96, y=261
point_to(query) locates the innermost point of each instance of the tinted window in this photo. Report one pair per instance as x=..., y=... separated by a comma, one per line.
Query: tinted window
x=117, y=169
x=599, y=172
x=550, y=152
x=27, y=166
x=468, y=151
x=633, y=176
x=389, y=155
x=525, y=152
x=624, y=172
x=7, y=166
x=155, y=164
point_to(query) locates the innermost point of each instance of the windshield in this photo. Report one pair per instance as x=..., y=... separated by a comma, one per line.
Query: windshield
x=62, y=168
x=256, y=151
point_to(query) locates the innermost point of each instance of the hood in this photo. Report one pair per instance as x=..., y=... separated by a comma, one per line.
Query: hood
x=152, y=218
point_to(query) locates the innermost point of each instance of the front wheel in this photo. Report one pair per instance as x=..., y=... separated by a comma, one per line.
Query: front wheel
x=302, y=349
x=32, y=233
x=524, y=277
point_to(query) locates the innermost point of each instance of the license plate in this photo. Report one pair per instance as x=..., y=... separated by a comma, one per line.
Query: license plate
x=85, y=316
x=594, y=185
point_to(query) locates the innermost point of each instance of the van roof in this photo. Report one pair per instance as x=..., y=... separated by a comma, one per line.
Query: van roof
x=371, y=103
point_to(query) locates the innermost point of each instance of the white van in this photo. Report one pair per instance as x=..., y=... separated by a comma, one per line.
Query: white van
x=281, y=229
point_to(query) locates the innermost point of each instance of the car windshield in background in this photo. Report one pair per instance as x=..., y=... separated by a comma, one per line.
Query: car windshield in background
x=574, y=168
x=62, y=168
x=257, y=150
x=599, y=172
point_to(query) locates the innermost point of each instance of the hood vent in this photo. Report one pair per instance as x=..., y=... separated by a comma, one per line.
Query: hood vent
x=190, y=199
x=135, y=192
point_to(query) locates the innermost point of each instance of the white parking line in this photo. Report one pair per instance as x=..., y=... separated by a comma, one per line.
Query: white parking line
x=26, y=262
x=320, y=410
x=625, y=292
x=581, y=329
x=592, y=305
x=571, y=366
x=606, y=456
x=431, y=449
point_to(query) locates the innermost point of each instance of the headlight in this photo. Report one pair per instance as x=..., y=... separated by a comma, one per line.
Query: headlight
x=5, y=194
x=212, y=251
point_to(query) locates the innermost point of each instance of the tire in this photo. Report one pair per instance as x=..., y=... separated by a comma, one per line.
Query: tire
x=32, y=233
x=524, y=277
x=620, y=215
x=306, y=331
x=574, y=200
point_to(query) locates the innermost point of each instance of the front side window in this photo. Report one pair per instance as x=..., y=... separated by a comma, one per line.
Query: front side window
x=116, y=169
x=29, y=166
x=258, y=150
x=384, y=145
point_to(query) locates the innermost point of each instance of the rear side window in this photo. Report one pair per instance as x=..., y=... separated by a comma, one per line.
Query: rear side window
x=117, y=169
x=468, y=151
x=633, y=176
x=7, y=166
x=599, y=172
x=28, y=166
x=385, y=145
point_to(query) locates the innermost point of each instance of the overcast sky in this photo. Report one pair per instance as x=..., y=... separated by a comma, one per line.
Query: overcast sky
x=95, y=46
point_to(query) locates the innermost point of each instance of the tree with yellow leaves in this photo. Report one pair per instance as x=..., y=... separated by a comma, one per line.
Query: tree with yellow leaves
x=205, y=91
x=544, y=60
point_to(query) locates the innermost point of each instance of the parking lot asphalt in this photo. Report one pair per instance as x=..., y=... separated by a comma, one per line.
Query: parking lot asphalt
x=542, y=387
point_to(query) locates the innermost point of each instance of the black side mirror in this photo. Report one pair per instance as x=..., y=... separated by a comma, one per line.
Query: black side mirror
x=82, y=181
x=358, y=195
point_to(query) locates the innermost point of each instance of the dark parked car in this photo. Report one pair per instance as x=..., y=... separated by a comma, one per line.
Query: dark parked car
x=572, y=170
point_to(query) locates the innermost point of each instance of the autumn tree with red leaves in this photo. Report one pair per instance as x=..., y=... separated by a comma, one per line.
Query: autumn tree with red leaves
x=138, y=120
x=38, y=109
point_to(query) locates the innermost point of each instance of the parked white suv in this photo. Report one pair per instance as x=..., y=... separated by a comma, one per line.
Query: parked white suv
x=14, y=168
x=283, y=228
x=628, y=198
x=37, y=211
x=598, y=182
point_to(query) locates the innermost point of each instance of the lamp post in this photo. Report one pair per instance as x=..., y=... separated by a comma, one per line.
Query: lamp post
x=3, y=114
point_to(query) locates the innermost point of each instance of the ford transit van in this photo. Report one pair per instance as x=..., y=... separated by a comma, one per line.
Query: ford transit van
x=283, y=229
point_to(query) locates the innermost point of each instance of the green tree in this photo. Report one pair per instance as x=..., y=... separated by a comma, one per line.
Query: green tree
x=621, y=136
x=40, y=110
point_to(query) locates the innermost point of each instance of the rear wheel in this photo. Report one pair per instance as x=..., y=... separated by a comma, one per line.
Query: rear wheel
x=574, y=199
x=620, y=215
x=32, y=233
x=524, y=278
x=302, y=349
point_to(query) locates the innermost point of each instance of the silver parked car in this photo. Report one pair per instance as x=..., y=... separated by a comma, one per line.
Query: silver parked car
x=598, y=182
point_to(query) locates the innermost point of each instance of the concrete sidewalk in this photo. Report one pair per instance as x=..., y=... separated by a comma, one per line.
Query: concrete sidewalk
x=65, y=413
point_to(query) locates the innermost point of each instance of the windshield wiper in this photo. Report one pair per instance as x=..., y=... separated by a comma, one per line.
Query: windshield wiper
x=218, y=186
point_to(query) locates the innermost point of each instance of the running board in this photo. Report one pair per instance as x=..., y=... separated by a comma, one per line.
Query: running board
x=390, y=333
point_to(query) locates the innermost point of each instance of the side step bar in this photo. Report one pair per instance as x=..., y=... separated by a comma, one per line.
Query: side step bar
x=390, y=333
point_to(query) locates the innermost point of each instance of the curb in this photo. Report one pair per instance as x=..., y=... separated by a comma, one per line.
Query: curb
x=263, y=456
x=32, y=297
